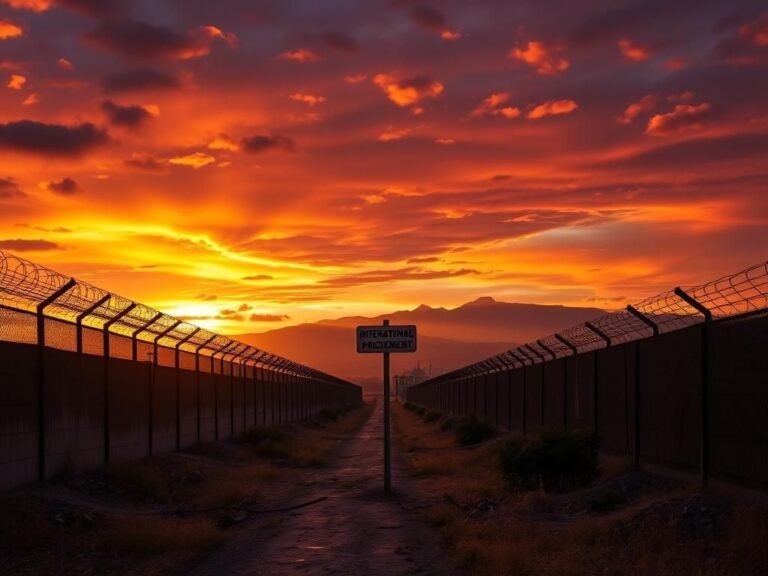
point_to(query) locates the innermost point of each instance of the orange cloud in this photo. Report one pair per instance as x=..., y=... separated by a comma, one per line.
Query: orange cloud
x=409, y=91
x=492, y=106
x=450, y=35
x=9, y=30
x=445, y=141
x=633, y=51
x=391, y=134
x=552, y=108
x=300, y=55
x=31, y=100
x=355, y=78
x=675, y=64
x=65, y=64
x=541, y=58
x=308, y=99
x=756, y=32
x=195, y=160
x=33, y=5
x=16, y=82
x=645, y=104
x=684, y=118
x=223, y=142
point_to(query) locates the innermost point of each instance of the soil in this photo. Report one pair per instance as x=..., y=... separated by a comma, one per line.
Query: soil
x=356, y=530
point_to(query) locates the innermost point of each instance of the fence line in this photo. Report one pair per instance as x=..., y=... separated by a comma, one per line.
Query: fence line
x=694, y=356
x=738, y=294
x=72, y=363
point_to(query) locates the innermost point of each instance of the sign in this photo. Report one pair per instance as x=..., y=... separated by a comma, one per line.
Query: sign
x=386, y=339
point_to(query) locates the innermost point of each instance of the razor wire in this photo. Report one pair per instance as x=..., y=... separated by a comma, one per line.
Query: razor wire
x=31, y=288
x=739, y=294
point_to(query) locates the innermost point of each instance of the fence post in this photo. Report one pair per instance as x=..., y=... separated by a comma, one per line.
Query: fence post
x=574, y=353
x=522, y=358
x=155, y=364
x=105, y=334
x=177, y=354
x=41, y=388
x=607, y=340
x=543, y=375
x=197, y=381
x=655, y=331
x=139, y=330
x=541, y=387
x=82, y=316
x=705, y=385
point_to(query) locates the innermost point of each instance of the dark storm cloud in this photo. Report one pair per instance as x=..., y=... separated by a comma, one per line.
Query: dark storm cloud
x=128, y=116
x=64, y=187
x=51, y=139
x=10, y=189
x=20, y=245
x=428, y=18
x=94, y=7
x=141, y=40
x=145, y=162
x=340, y=42
x=140, y=79
x=262, y=143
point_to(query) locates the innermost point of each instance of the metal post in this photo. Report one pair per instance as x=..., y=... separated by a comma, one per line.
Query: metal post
x=82, y=316
x=139, y=330
x=177, y=355
x=151, y=408
x=607, y=340
x=197, y=379
x=41, y=388
x=107, y=423
x=387, y=455
x=543, y=378
x=223, y=351
x=705, y=385
x=522, y=358
x=655, y=331
x=574, y=352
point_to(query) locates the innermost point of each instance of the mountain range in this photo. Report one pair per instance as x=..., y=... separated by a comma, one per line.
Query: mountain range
x=447, y=338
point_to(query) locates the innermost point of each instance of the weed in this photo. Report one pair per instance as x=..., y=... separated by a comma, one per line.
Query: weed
x=557, y=460
x=432, y=416
x=473, y=429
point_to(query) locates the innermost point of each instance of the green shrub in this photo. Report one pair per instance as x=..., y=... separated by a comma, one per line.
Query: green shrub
x=432, y=416
x=557, y=460
x=473, y=429
x=420, y=411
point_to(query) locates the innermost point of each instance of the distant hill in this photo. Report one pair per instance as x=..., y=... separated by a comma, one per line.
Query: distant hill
x=483, y=320
x=448, y=338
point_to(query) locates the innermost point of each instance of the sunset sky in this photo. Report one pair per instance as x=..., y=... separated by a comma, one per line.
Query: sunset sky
x=254, y=164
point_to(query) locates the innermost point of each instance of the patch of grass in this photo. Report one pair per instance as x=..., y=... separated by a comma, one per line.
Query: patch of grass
x=268, y=441
x=432, y=416
x=558, y=460
x=473, y=429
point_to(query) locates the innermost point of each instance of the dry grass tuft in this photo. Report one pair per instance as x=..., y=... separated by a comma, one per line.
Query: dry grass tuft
x=664, y=529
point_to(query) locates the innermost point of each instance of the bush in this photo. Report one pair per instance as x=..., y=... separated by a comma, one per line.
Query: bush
x=557, y=461
x=432, y=416
x=472, y=430
x=268, y=441
x=330, y=413
x=420, y=411
x=449, y=424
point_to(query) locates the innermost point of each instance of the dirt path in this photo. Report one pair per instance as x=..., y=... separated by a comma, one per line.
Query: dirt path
x=357, y=530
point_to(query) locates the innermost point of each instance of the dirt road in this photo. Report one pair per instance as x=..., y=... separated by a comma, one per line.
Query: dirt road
x=357, y=530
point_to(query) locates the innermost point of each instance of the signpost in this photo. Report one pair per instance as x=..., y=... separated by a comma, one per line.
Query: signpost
x=386, y=340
